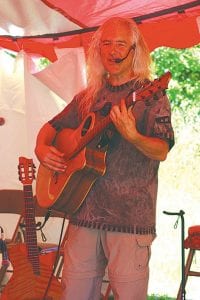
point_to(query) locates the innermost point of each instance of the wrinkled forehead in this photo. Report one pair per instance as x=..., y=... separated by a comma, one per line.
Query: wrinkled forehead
x=117, y=31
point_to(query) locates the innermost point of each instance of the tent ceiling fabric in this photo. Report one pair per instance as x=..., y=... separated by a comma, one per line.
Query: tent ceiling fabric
x=94, y=12
x=47, y=24
x=33, y=17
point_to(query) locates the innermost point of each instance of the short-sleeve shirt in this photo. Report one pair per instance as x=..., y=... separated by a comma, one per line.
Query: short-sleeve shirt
x=124, y=198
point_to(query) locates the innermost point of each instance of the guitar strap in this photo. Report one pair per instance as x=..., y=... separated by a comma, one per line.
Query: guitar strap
x=40, y=225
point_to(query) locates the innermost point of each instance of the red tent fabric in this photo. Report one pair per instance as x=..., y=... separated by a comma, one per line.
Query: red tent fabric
x=172, y=23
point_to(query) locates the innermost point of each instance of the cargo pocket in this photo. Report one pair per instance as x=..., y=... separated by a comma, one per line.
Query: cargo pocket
x=143, y=251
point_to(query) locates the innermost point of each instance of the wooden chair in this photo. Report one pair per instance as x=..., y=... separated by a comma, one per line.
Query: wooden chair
x=11, y=202
x=192, y=242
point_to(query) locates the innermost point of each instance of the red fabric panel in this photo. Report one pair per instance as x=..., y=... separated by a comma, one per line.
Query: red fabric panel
x=60, y=7
x=95, y=12
x=177, y=31
x=40, y=47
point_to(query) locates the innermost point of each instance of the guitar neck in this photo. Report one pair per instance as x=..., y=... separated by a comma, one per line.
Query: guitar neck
x=148, y=94
x=31, y=236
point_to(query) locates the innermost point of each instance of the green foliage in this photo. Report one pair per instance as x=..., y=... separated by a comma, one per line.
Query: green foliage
x=184, y=95
x=184, y=65
x=157, y=297
x=43, y=63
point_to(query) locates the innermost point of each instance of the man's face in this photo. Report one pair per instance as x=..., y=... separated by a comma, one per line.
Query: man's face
x=116, y=42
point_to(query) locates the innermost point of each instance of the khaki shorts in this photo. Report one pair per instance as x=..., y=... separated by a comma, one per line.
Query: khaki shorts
x=88, y=252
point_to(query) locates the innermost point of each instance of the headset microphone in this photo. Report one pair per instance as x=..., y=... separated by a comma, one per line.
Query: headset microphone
x=119, y=60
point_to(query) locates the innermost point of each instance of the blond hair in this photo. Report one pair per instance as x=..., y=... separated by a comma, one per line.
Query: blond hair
x=96, y=73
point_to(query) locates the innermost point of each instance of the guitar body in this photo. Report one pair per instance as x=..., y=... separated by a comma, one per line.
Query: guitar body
x=24, y=284
x=66, y=191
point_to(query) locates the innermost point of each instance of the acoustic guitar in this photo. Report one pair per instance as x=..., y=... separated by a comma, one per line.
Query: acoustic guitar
x=32, y=277
x=66, y=191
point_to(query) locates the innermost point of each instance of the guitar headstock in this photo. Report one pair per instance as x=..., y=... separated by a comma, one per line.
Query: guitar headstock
x=163, y=81
x=150, y=91
x=26, y=170
x=159, y=84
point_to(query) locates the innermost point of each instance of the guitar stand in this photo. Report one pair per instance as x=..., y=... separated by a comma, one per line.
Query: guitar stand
x=45, y=296
x=5, y=261
x=39, y=225
x=180, y=214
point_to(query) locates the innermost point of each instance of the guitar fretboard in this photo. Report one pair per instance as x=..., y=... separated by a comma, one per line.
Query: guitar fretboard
x=31, y=236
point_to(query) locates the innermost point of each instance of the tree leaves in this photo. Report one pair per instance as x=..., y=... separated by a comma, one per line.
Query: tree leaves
x=184, y=64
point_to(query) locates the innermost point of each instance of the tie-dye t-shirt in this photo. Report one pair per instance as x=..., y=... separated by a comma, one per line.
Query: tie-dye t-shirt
x=124, y=198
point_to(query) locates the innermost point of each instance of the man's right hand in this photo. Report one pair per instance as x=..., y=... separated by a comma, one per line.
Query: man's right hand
x=51, y=158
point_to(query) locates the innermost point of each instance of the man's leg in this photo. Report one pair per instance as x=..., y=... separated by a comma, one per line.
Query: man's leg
x=84, y=265
x=128, y=264
x=135, y=290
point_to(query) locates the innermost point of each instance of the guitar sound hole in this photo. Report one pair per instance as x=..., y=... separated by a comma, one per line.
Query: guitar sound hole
x=86, y=126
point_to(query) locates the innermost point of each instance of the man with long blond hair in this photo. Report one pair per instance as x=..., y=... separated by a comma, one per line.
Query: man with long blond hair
x=116, y=223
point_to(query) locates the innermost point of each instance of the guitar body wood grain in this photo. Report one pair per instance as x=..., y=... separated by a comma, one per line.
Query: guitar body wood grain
x=65, y=192
x=24, y=284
